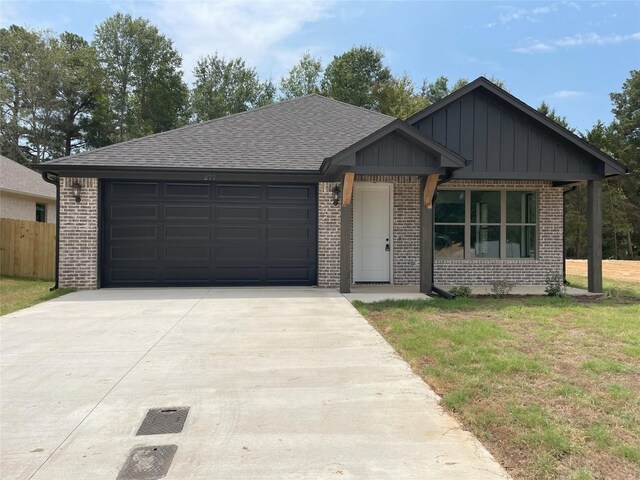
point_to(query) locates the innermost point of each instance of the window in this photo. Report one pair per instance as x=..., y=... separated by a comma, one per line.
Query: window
x=485, y=224
x=521, y=224
x=449, y=229
x=491, y=224
x=41, y=212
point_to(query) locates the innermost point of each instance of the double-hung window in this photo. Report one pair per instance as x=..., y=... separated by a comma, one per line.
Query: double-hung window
x=485, y=224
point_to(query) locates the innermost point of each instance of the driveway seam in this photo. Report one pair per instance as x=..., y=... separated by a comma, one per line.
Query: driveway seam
x=118, y=383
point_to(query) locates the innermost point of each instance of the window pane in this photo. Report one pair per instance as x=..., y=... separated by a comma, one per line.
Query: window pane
x=450, y=206
x=521, y=242
x=41, y=212
x=448, y=241
x=485, y=207
x=485, y=242
x=521, y=207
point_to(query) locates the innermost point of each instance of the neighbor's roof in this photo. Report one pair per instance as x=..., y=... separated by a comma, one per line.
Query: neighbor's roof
x=20, y=179
x=295, y=134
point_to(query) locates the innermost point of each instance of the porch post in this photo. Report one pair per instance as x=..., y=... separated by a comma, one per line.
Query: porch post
x=426, y=241
x=594, y=235
x=345, y=248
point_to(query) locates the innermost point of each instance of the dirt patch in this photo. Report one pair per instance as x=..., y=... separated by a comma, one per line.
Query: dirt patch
x=625, y=270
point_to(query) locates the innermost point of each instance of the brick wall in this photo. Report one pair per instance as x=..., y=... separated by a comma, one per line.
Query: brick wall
x=328, y=237
x=406, y=237
x=519, y=271
x=22, y=207
x=406, y=231
x=79, y=235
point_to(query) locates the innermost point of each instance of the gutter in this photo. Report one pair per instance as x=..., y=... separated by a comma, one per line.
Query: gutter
x=438, y=291
x=56, y=183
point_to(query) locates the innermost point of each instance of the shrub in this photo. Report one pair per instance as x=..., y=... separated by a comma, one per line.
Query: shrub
x=460, y=291
x=554, y=284
x=501, y=288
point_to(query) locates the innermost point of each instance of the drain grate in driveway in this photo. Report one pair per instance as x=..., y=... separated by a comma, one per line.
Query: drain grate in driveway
x=163, y=420
x=148, y=463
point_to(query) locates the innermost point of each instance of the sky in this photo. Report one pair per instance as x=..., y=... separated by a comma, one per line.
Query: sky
x=569, y=54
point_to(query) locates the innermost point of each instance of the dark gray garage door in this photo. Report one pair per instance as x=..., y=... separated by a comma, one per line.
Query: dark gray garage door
x=178, y=233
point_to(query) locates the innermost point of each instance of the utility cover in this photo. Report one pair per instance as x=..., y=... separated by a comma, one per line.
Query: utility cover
x=163, y=420
x=148, y=463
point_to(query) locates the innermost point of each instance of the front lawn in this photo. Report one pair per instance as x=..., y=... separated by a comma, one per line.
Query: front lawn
x=612, y=288
x=19, y=293
x=551, y=386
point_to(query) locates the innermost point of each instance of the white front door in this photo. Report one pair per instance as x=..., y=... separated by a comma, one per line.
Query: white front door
x=371, y=232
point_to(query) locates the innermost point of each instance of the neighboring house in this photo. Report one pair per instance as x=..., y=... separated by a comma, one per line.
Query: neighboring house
x=24, y=195
x=313, y=191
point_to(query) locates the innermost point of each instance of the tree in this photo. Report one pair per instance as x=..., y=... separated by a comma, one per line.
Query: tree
x=356, y=77
x=223, y=87
x=303, y=79
x=28, y=93
x=80, y=90
x=461, y=82
x=397, y=97
x=436, y=90
x=550, y=113
x=145, y=91
x=625, y=145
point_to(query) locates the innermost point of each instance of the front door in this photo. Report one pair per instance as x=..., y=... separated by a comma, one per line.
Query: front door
x=371, y=232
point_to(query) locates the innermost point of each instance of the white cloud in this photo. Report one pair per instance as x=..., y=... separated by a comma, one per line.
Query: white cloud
x=581, y=39
x=512, y=14
x=565, y=95
x=255, y=30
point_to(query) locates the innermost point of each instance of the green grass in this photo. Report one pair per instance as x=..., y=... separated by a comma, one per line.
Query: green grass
x=548, y=384
x=616, y=289
x=19, y=293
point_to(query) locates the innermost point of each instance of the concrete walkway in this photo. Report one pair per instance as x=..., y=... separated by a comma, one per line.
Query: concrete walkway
x=282, y=384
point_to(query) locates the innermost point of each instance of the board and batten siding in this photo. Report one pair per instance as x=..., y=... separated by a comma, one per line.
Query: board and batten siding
x=394, y=150
x=502, y=143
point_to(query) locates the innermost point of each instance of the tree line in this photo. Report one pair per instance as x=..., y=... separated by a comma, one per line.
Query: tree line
x=61, y=94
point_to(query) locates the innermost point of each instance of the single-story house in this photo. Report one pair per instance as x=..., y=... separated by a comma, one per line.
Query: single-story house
x=313, y=191
x=24, y=195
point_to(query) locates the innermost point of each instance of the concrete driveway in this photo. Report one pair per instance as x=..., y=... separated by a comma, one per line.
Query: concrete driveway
x=282, y=383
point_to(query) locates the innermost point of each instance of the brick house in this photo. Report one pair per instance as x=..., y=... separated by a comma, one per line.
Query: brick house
x=24, y=195
x=313, y=191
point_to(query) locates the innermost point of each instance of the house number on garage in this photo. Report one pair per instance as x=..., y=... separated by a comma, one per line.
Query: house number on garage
x=209, y=177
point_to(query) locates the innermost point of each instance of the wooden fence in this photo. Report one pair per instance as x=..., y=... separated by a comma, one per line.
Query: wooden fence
x=27, y=249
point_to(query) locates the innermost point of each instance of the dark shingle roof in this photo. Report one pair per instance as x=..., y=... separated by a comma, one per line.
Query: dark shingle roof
x=20, y=179
x=291, y=135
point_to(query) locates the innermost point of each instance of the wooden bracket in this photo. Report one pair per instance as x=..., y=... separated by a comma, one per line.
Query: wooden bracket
x=430, y=189
x=347, y=188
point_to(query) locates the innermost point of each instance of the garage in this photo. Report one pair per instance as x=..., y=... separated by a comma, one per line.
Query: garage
x=164, y=233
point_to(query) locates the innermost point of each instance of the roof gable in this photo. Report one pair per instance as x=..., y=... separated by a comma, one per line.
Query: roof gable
x=501, y=135
x=396, y=147
x=293, y=135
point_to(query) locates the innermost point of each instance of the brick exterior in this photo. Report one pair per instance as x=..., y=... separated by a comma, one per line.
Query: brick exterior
x=519, y=271
x=406, y=231
x=79, y=235
x=328, y=237
x=23, y=207
x=406, y=237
